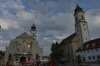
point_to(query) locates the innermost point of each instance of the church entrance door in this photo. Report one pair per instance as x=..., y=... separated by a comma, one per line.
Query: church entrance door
x=22, y=59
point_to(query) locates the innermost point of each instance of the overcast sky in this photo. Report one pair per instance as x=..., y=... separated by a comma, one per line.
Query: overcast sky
x=54, y=20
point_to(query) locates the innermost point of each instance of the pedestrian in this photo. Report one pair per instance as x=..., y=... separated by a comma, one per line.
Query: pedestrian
x=8, y=64
x=53, y=63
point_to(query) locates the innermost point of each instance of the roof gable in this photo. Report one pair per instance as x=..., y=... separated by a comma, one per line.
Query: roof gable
x=70, y=38
x=24, y=35
x=92, y=44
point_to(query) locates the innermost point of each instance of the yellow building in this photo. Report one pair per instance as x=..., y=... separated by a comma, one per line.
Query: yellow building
x=70, y=45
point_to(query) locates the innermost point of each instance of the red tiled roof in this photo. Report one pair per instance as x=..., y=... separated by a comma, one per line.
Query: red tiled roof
x=89, y=45
x=70, y=38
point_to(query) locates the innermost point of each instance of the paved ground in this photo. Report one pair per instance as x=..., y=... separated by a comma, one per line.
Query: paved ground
x=84, y=64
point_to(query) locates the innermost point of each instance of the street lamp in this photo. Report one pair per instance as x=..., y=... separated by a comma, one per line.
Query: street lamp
x=68, y=54
x=56, y=51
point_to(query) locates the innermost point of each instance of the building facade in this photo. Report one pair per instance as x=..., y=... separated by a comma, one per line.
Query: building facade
x=90, y=51
x=23, y=48
x=70, y=45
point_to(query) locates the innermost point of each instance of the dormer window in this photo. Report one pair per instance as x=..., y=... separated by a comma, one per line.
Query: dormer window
x=87, y=45
x=82, y=47
x=88, y=51
x=93, y=44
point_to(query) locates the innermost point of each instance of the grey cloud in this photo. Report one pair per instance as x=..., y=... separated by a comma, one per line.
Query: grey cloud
x=54, y=21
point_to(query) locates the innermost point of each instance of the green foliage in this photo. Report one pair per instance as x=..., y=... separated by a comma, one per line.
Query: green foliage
x=56, y=52
x=79, y=58
x=2, y=53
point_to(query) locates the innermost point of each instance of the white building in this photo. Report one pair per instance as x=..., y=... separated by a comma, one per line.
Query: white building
x=23, y=48
x=90, y=51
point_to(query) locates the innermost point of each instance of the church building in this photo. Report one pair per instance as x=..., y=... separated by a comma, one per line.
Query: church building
x=89, y=50
x=23, y=48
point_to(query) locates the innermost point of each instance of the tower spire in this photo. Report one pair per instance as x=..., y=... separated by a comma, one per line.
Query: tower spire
x=33, y=31
x=81, y=26
x=33, y=27
x=76, y=2
x=78, y=9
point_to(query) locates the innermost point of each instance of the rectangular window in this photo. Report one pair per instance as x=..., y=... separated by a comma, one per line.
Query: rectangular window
x=77, y=25
x=83, y=24
x=91, y=50
x=84, y=29
x=81, y=52
x=89, y=57
x=98, y=57
x=88, y=51
x=84, y=51
x=83, y=58
x=96, y=50
x=93, y=57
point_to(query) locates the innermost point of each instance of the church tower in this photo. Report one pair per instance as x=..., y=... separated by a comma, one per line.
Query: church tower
x=81, y=26
x=33, y=31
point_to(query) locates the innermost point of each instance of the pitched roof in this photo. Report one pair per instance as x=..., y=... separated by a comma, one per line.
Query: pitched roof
x=92, y=44
x=23, y=35
x=78, y=9
x=70, y=38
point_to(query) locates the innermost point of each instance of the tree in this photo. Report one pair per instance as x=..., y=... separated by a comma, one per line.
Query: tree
x=79, y=59
x=57, y=52
x=2, y=53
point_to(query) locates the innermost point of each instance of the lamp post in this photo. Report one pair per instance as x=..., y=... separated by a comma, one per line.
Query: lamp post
x=68, y=54
x=56, y=58
x=56, y=51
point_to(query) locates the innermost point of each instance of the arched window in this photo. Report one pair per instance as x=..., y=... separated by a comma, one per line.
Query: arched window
x=24, y=46
x=9, y=57
x=37, y=56
x=76, y=18
x=82, y=16
x=18, y=47
x=15, y=45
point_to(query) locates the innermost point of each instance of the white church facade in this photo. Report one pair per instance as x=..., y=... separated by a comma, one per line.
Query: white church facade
x=23, y=48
